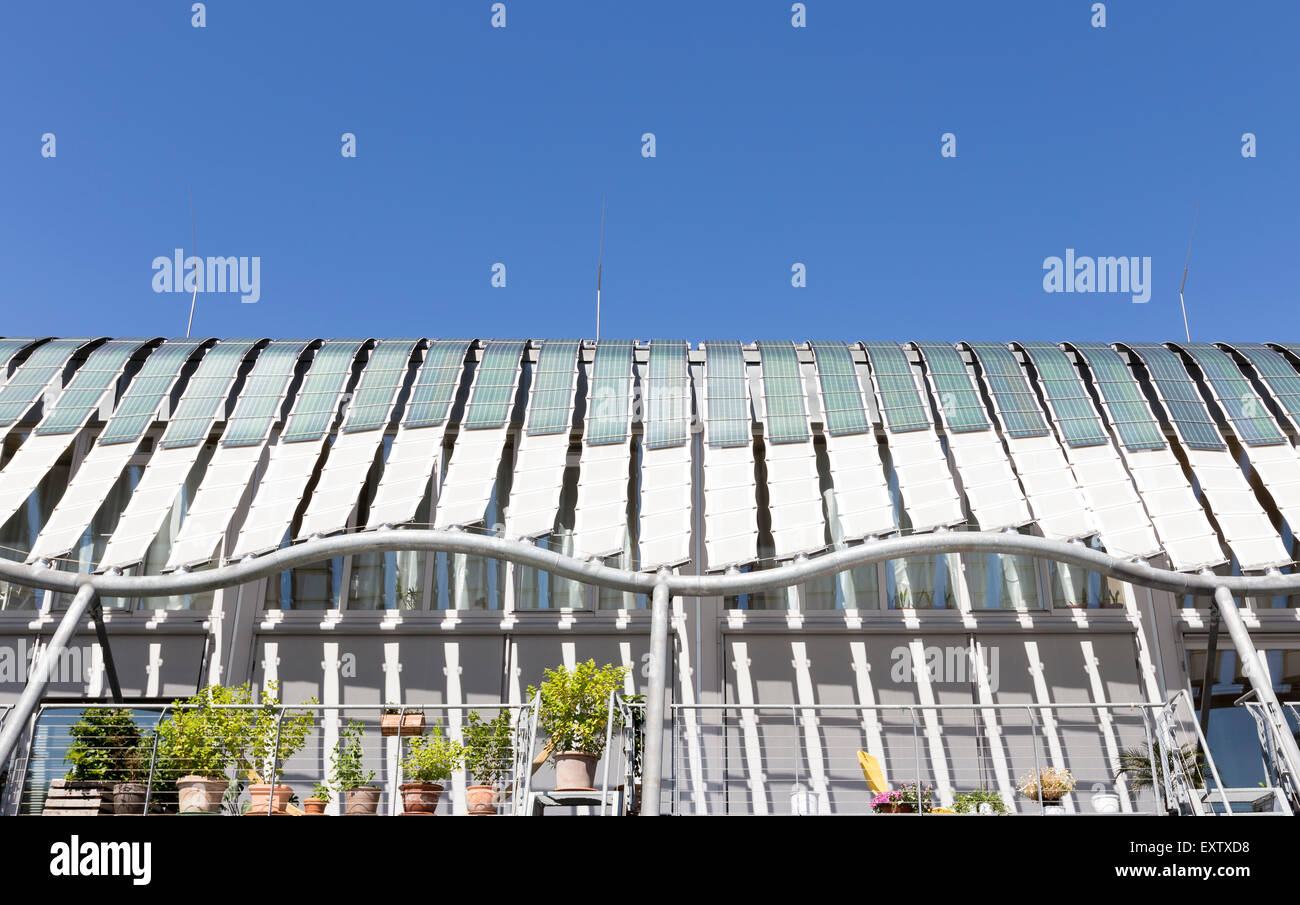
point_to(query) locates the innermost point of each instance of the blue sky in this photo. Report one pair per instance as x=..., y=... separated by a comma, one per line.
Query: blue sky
x=774, y=145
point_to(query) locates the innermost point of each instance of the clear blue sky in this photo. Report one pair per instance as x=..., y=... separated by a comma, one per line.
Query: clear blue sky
x=774, y=145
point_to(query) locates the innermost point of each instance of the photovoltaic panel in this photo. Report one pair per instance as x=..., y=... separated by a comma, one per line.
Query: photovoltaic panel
x=139, y=404
x=845, y=409
x=10, y=347
x=205, y=392
x=84, y=392
x=609, y=393
x=1276, y=373
x=1016, y=403
x=550, y=410
x=380, y=382
x=258, y=406
x=1071, y=405
x=318, y=400
x=436, y=384
x=728, y=394
x=1132, y=417
x=667, y=389
x=900, y=399
x=495, y=380
x=1181, y=399
x=1249, y=415
x=783, y=393
x=19, y=394
x=957, y=396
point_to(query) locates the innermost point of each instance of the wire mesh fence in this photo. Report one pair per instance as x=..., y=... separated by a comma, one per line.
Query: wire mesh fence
x=938, y=759
x=279, y=759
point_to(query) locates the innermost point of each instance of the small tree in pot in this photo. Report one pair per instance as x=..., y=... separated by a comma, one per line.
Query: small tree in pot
x=348, y=773
x=489, y=760
x=271, y=736
x=430, y=759
x=108, y=749
x=574, y=714
x=197, y=744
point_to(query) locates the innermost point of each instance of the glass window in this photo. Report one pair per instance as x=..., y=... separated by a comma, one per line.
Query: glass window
x=19, y=533
x=1076, y=587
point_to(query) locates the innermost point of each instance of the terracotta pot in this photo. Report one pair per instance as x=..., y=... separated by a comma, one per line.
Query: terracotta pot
x=200, y=794
x=904, y=808
x=362, y=801
x=481, y=800
x=420, y=797
x=574, y=770
x=401, y=724
x=128, y=798
x=314, y=806
x=260, y=792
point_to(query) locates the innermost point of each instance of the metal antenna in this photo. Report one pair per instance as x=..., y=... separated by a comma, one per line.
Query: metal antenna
x=1195, y=217
x=600, y=261
x=195, y=234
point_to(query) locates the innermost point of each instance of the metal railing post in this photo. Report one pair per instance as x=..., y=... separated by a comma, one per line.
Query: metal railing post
x=153, y=758
x=275, y=761
x=1038, y=770
x=653, y=755
x=35, y=687
x=916, y=754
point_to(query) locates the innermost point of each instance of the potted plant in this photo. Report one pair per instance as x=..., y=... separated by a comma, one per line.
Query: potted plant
x=429, y=760
x=107, y=752
x=979, y=801
x=315, y=803
x=1049, y=785
x=574, y=711
x=890, y=802
x=1135, y=765
x=401, y=722
x=348, y=773
x=195, y=747
x=489, y=760
x=269, y=736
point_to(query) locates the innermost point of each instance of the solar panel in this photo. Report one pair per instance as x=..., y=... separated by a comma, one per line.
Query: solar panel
x=84, y=392
x=783, y=393
x=608, y=393
x=554, y=381
x=1249, y=415
x=318, y=400
x=1071, y=406
x=205, y=391
x=259, y=401
x=846, y=412
x=493, y=394
x=9, y=347
x=728, y=392
x=139, y=404
x=1017, y=405
x=958, y=399
x=667, y=395
x=19, y=394
x=1181, y=399
x=900, y=399
x=1276, y=372
x=436, y=384
x=1132, y=417
x=372, y=401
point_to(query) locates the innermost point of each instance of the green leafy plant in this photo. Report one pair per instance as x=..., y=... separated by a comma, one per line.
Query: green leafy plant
x=432, y=757
x=1049, y=783
x=918, y=796
x=106, y=747
x=347, y=761
x=321, y=791
x=271, y=734
x=1135, y=765
x=489, y=747
x=575, y=706
x=969, y=802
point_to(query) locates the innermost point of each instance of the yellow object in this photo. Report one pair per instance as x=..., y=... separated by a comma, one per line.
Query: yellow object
x=872, y=773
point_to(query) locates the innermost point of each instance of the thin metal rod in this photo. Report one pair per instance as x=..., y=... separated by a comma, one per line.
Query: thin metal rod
x=1195, y=217
x=106, y=650
x=1254, y=669
x=16, y=723
x=194, y=231
x=653, y=754
x=601, y=575
x=1207, y=681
